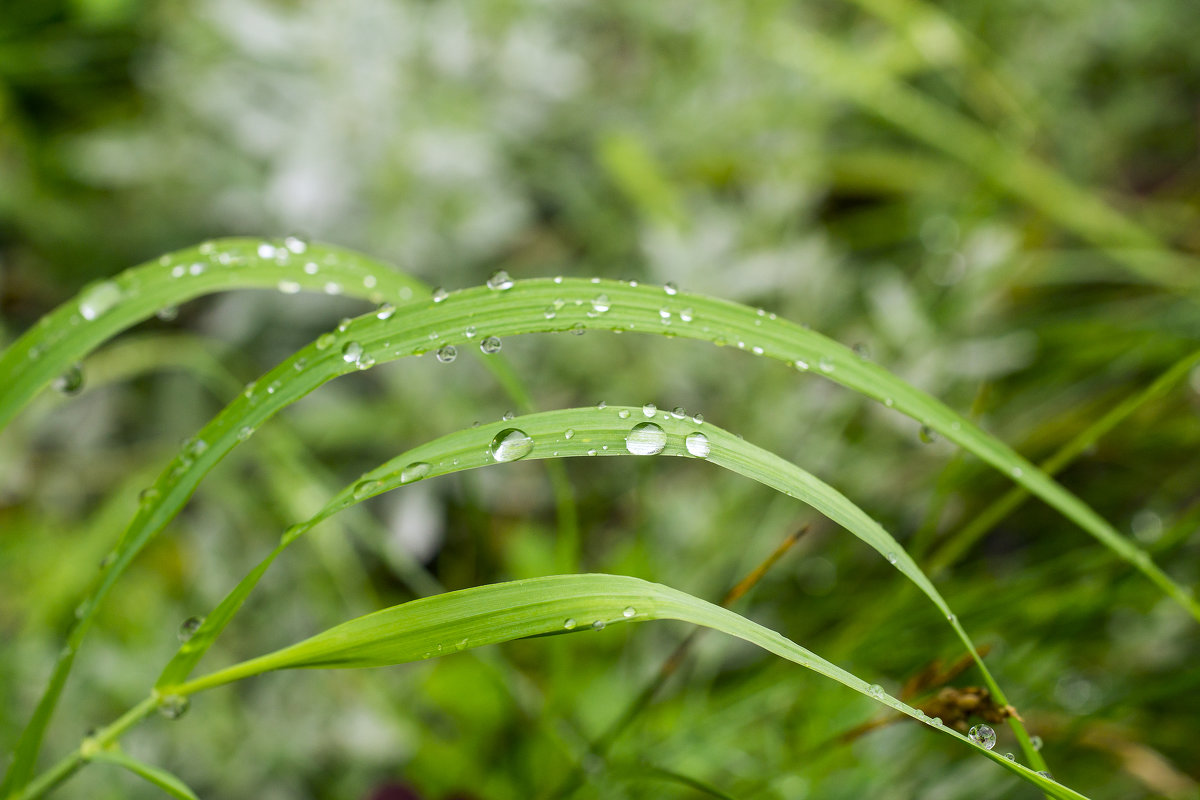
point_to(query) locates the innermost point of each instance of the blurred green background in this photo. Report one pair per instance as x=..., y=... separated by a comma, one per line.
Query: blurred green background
x=821, y=160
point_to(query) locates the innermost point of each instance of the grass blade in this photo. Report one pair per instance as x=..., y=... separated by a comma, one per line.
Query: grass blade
x=589, y=432
x=484, y=615
x=156, y=775
x=524, y=307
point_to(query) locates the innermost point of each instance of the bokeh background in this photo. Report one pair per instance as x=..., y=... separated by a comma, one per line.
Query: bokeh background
x=791, y=156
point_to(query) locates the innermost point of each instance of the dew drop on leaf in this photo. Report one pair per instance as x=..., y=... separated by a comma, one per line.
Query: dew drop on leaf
x=697, y=444
x=189, y=627
x=646, y=439
x=414, y=472
x=511, y=444
x=99, y=299
x=70, y=382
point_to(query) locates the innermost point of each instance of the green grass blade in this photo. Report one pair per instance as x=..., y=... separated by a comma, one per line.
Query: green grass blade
x=954, y=548
x=526, y=307
x=589, y=432
x=483, y=615
x=1020, y=175
x=156, y=775
x=103, y=309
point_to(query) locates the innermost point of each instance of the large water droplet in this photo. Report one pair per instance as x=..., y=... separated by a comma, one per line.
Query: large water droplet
x=569, y=623
x=511, y=444
x=447, y=353
x=697, y=444
x=98, y=299
x=414, y=472
x=983, y=736
x=70, y=382
x=173, y=706
x=649, y=410
x=189, y=627
x=352, y=352
x=365, y=489
x=646, y=439
x=490, y=345
x=500, y=281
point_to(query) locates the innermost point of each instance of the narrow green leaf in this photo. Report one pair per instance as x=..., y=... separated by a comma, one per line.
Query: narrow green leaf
x=156, y=775
x=483, y=615
x=588, y=432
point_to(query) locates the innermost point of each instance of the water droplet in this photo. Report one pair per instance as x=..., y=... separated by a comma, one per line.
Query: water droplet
x=686, y=315
x=244, y=433
x=826, y=364
x=98, y=299
x=670, y=288
x=569, y=623
x=577, y=329
x=500, y=281
x=697, y=444
x=628, y=612
x=311, y=268
x=507, y=415
x=1036, y=741
x=591, y=452
x=188, y=627
x=598, y=625
x=266, y=250
x=352, y=352
x=447, y=353
x=325, y=341
x=1045, y=774
x=167, y=313
x=623, y=413
x=568, y=433
x=678, y=412
x=551, y=312
x=891, y=558
x=289, y=287
x=440, y=294
x=365, y=489
x=196, y=269
x=490, y=345
x=414, y=472
x=927, y=435
x=649, y=409
x=178, y=271
x=173, y=706
x=875, y=690
x=511, y=444
x=646, y=439
x=983, y=736
x=698, y=419
x=936, y=722
x=1010, y=756
x=758, y=351
x=951, y=618
x=385, y=311
x=295, y=244
x=600, y=303
x=70, y=382
x=1017, y=472
x=664, y=314
x=801, y=364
